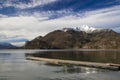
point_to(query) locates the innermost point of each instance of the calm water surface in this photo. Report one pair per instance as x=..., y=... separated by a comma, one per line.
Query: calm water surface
x=102, y=56
x=14, y=66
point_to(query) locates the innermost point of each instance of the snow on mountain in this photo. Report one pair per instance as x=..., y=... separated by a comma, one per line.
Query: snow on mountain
x=85, y=28
x=68, y=29
x=88, y=29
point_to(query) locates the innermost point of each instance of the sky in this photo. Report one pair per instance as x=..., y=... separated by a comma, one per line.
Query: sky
x=22, y=20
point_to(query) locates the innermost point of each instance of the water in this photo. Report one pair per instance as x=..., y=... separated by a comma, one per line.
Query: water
x=102, y=56
x=14, y=66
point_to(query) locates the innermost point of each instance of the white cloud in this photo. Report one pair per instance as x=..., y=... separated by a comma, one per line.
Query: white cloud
x=27, y=26
x=105, y=18
x=17, y=40
x=1, y=16
x=21, y=5
x=34, y=3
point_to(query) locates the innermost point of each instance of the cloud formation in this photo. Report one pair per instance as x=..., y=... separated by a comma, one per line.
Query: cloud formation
x=23, y=4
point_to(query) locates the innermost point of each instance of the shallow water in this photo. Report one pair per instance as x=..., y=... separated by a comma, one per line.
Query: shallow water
x=14, y=66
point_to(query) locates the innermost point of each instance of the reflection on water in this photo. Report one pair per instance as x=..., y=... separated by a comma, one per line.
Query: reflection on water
x=92, y=56
x=14, y=66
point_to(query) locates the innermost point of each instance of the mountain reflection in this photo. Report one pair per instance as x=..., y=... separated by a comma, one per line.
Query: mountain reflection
x=91, y=56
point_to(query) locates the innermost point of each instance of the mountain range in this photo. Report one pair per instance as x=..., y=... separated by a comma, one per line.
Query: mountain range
x=80, y=37
x=5, y=45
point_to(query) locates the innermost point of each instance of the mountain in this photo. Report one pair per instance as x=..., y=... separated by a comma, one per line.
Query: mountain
x=83, y=37
x=5, y=45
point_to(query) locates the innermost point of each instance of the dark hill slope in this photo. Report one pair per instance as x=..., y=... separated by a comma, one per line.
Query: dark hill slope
x=104, y=39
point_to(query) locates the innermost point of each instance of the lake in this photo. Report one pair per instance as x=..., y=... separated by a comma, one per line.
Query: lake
x=14, y=66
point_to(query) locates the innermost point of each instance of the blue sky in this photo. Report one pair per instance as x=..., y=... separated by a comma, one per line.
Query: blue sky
x=26, y=19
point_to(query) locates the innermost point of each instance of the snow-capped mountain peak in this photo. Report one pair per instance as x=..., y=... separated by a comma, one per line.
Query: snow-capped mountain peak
x=87, y=28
